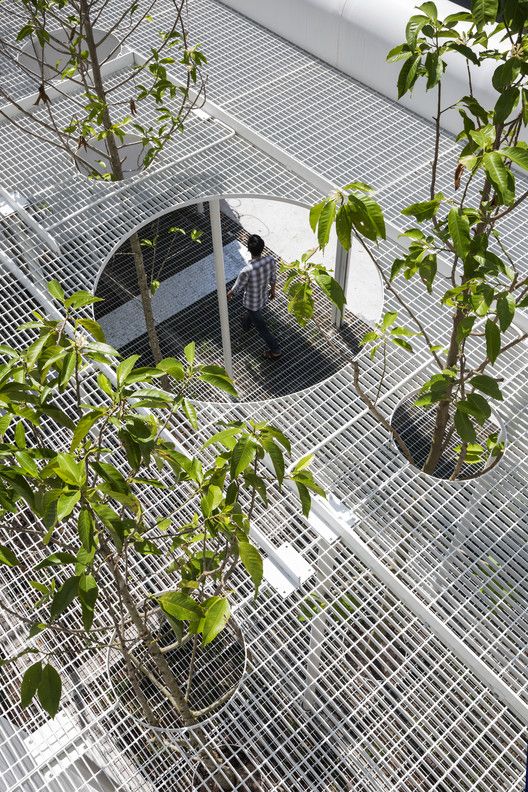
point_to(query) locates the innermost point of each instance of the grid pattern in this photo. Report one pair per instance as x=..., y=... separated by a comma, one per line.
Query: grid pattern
x=389, y=706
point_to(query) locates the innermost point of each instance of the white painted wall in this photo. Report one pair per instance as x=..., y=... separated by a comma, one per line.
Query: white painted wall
x=355, y=37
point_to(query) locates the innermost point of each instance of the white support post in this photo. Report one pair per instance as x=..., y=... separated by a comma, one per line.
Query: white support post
x=218, y=251
x=341, y=276
x=200, y=208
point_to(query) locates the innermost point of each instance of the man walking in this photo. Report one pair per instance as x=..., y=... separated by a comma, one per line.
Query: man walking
x=254, y=279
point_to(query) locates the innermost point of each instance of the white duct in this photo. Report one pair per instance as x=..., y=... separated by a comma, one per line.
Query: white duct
x=355, y=37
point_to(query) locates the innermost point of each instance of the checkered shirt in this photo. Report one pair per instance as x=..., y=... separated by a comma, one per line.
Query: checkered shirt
x=255, y=278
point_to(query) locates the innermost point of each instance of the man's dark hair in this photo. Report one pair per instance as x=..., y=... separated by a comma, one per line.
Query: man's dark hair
x=255, y=245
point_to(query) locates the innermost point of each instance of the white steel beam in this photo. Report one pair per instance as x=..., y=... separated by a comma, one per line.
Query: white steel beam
x=218, y=252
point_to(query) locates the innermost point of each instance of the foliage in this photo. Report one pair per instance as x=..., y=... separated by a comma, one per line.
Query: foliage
x=458, y=233
x=85, y=452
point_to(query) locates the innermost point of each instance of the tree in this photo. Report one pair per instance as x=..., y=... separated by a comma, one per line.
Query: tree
x=67, y=49
x=93, y=485
x=462, y=228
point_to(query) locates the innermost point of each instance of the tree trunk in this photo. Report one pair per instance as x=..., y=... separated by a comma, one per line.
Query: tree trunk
x=117, y=175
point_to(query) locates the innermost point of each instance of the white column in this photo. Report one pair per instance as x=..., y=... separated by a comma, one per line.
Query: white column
x=341, y=276
x=218, y=251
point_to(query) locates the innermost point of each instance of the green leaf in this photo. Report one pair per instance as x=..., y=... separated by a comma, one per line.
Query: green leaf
x=88, y=593
x=459, y=230
x=180, y=606
x=57, y=559
x=484, y=11
x=94, y=328
x=485, y=137
x=50, y=690
x=304, y=497
x=56, y=290
x=80, y=299
x=315, y=214
x=487, y=385
x=344, y=226
x=326, y=220
x=30, y=683
x=218, y=377
x=424, y=210
x=252, y=561
x=83, y=427
x=505, y=310
x=124, y=369
x=388, y=320
x=190, y=353
x=69, y=470
x=8, y=557
x=413, y=28
x=493, y=340
x=516, y=154
x=401, y=52
x=477, y=406
x=331, y=288
x=276, y=456
x=216, y=617
x=500, y=176
x=506, y=74
x=64, y=596
x=173, y=367
x=464, y=427
x=408, y=74
x=242, y=455
x=506, y=104
x=85, y=529
x=430, y=9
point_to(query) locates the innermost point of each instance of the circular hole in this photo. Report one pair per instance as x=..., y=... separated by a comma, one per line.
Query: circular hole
x=93, y=160
x=48, y=61
x=415, y=426
x=186, y=302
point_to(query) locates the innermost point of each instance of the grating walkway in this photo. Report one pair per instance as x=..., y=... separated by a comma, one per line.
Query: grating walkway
x=392, y=707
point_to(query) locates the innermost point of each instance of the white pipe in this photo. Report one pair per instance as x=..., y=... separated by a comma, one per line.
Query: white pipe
x=466, y=655
x=218, y=251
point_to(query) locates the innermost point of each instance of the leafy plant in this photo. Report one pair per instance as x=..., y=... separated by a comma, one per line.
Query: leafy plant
x=459, y=230
x=85, y=453
x=96, y=111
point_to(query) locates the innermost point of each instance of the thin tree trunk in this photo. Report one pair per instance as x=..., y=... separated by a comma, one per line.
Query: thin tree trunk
x=117, y=175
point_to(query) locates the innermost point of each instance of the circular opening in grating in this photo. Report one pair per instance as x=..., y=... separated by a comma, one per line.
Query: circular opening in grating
x=49, y=61
x=178, y=259
x=218, y=671
x=93, y=160
x=415, y=426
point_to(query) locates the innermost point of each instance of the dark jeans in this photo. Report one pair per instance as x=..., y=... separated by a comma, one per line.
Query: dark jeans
x=255, y=319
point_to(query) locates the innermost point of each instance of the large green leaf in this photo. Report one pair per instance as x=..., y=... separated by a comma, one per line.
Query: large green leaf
x=218, y=377
x=30, y=683
x=180, y=606
x=344, y=226
x=484, y=11
x=315, y=214
x=424, y=210
x=505, y=310
x=252, y=561
x=85, y=529
x=49, y=690
x=505, y=105
x=500, y=176
x=216, y=617
x=493, y=340
x=464, y=427
x=477, y=406
x=242, y=455
x=88, y=593
x=83, y=427
x=124, y=369
x=8, y=557
x=276, y=456
x=487, y=385
x=326, y=221
x=331, y=288
x=407, y=76
x=69, y=470
x=64, y=596
x=459, y=232
x=413, y=28
x=516, y=154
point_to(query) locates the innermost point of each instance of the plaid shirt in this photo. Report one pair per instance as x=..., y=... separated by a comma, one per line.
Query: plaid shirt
x=255, y=278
